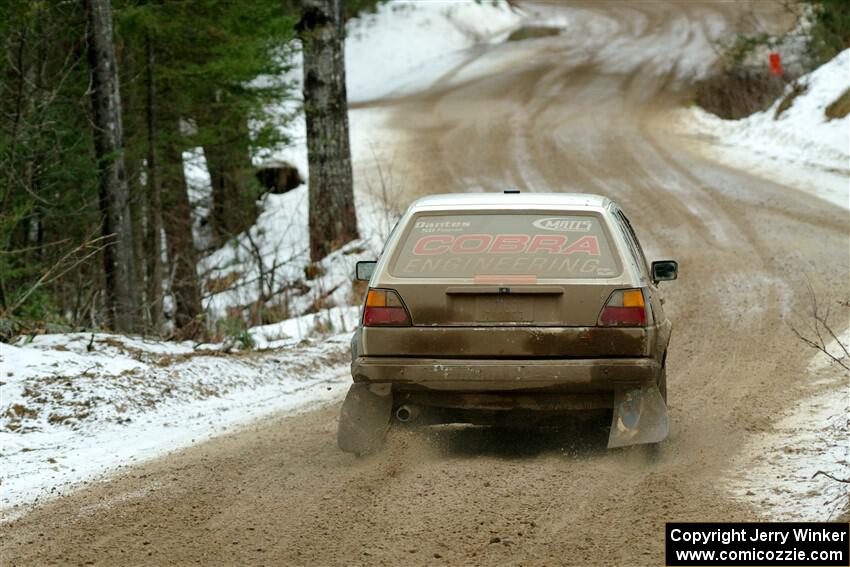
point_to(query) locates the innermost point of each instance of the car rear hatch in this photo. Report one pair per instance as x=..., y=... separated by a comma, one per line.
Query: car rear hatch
x=489, y=284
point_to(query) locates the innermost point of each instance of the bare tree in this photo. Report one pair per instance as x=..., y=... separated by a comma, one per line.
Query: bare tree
x=122, y=291
x=333, y=221
x=89, y=247
x=820, y=335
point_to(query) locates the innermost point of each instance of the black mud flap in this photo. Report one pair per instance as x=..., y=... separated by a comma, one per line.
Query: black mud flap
x=640, y=416
x=364, y=420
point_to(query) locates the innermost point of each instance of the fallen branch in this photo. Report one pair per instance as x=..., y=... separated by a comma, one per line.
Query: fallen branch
x=821, y=327
x=88, y=247
x=826, y=474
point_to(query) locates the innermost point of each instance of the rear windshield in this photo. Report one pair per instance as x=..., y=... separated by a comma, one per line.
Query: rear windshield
x=474, y=245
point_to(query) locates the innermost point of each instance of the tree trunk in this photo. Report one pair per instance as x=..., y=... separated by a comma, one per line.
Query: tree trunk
x=137, y=222
x=177, y=217
x=128, y=62
x=153, y=238
x=333, y=221
x=233, y=207
x=122, y=293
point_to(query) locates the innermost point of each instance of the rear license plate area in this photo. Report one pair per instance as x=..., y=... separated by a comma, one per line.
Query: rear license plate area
x=504, y=309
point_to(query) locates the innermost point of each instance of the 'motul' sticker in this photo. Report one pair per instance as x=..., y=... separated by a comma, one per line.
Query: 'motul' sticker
x=564, y=224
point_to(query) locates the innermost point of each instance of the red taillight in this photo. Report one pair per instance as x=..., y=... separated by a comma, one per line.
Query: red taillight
x=623, y=317
x=625, y=308
x=384, y=309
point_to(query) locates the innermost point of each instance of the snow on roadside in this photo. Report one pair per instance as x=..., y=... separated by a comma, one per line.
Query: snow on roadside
x=334, y=320
x=801, y=148
x=272, y=257
x=775, y=471
x=406, y=46
x=402, y=47
x=73, y=407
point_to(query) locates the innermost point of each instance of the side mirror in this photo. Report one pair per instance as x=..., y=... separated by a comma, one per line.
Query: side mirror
x=364, y=270
x=665, y=270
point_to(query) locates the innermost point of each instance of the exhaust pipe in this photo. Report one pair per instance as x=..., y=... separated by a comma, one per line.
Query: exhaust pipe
x=405, y=413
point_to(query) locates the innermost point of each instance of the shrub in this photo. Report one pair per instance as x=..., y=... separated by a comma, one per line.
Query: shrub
x=796, y=90
x=840, y=107
x=743, y=86
x=533, y=32
x=235, y=334
x=735, y=93
x=830, y=30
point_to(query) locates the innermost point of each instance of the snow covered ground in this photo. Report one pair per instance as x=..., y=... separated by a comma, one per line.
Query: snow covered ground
x=403, y=47
x=78, y=405
x=417, y=43
x=777, y=470
x=801, y=147
x=272, y=256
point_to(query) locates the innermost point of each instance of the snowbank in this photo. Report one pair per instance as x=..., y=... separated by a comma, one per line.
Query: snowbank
x=780, y=481
x=801, y=148
x=337, y=320
x=271, y=259
x=776, y=471
x=403, y=47
x=406, y=46
x=75, y=406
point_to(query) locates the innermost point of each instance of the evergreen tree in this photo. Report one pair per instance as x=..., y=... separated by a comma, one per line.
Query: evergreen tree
x=194, y=73
x=216, y=68
x=49, y=218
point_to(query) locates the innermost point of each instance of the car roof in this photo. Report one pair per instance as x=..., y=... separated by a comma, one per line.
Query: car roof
x=524, y=200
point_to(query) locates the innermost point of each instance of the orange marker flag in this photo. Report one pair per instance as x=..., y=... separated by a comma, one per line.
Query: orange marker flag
x=775, y=64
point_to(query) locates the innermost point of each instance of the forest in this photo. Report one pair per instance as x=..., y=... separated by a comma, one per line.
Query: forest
x=100, y=100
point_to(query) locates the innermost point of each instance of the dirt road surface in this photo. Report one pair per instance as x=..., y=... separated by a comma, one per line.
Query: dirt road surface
x=587, y=111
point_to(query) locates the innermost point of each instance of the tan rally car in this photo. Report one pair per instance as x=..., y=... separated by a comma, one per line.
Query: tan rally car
x=503, y=308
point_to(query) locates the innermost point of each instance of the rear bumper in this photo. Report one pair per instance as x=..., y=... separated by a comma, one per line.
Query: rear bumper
x=465, y=375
